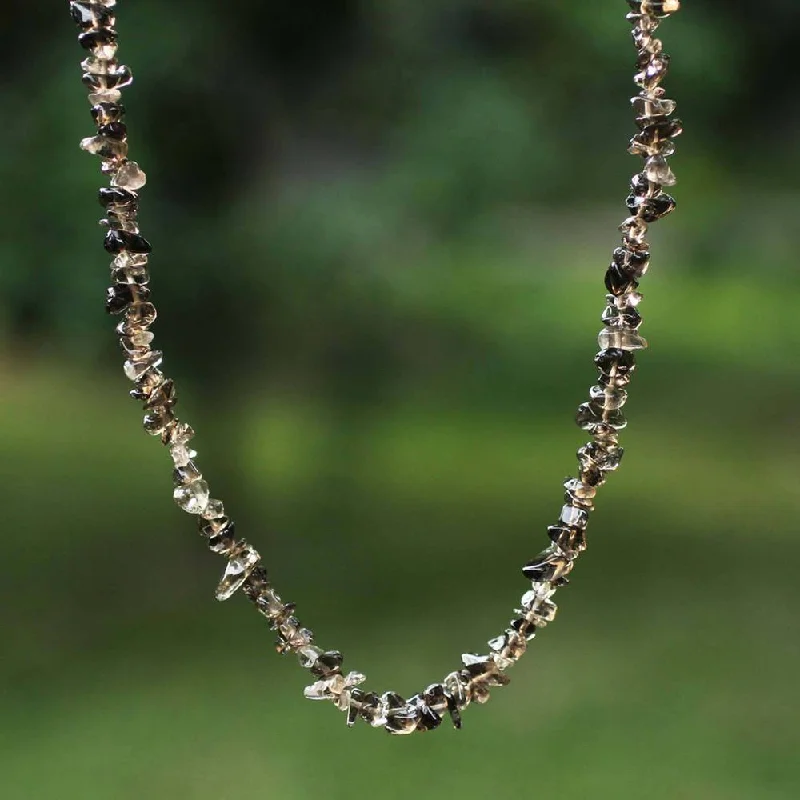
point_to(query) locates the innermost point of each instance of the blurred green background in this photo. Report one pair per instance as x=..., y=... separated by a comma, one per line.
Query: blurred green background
x=380, y=233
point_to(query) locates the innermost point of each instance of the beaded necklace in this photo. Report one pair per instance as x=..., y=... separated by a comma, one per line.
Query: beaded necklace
x=129, y=298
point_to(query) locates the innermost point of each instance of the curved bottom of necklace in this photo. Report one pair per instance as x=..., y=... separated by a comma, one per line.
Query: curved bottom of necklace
x=422, y=712
x=478, y=674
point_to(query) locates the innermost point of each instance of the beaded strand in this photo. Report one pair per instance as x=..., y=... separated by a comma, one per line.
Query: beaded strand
x=601, y=417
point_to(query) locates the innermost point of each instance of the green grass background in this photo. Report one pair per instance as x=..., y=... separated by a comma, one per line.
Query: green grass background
x=399, y=529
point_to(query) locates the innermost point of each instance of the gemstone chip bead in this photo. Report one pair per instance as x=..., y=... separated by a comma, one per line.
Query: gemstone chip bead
x=192, y=497
x=241, y=563
x=129, y=176
x=658, y=171
x=620, y=339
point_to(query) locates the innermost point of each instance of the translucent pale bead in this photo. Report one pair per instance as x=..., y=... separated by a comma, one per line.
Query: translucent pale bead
x=104, y=147
x=214, y=509
x=182, y=434
x=97, y=66
x=345, y=699
x=628, y=300
x=127, y=260
x=134, y=368
x=574, y=517
x=239, y=566
x=621, y=338
x=129, y=176
x=92, y=144
x=141, y=338
x=270, y=604
x=192, y=498
x=539, y=593
x=181, y=454
x=652, y=106
x=325, y=689
x=308, y=655
x=657, y=170
x=105, y=96
x=609, y=397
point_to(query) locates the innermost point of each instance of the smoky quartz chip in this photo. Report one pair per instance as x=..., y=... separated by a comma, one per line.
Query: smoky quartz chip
x=651, y=209
x=157, y=420
x=95, y=39
x=656, y=8
x=427, y=718
x=117, y=241
x=632, y=262
x=91, y=15
x=164, y=395
x=549, y=566
x=649, y=108
x=107, y=113
x=213, y=527
x=613, y=360
x=400, y=719
x=119, y=297
x=571, y=540
x=328, y=663
x=223, y=540
x=606, y=458
x=114, y=130
x=241, y=561
x=625, y=317
x=618, y=281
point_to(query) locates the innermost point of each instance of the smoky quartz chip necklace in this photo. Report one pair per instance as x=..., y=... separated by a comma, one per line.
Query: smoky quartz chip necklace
x=601, y=417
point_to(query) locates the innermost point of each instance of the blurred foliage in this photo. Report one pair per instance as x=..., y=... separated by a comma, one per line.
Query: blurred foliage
x=380, y=233
x=312, y=144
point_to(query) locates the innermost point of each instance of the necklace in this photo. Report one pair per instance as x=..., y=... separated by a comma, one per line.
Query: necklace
x=601, y=416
